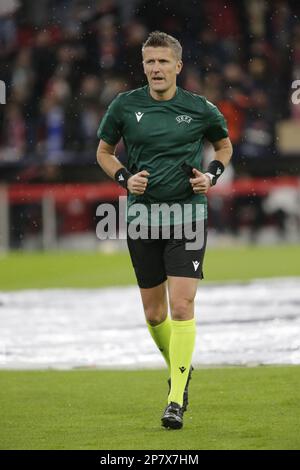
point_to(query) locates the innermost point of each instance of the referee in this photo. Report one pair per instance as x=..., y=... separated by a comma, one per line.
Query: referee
x=163, y=128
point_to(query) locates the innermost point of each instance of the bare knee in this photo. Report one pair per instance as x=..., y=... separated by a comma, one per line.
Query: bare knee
x=182, y=309
x=155, y=304
x=155, y=314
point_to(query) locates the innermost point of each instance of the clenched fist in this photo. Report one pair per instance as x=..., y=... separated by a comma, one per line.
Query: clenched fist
x=200, y=183
x=137, y=183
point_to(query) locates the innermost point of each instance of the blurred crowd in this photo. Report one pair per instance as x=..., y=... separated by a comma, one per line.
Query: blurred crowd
x=63, y=62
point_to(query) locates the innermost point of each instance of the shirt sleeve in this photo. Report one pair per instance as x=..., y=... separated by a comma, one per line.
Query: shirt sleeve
x=216, y=124
x=111, y=124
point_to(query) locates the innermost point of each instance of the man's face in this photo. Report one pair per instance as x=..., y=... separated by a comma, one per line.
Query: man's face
x=161, y=68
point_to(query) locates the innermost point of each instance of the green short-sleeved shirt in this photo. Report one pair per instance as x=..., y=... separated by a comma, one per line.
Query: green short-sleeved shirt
x=159, y=136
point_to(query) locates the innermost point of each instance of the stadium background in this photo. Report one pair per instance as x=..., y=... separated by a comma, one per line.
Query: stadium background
x=62, y=63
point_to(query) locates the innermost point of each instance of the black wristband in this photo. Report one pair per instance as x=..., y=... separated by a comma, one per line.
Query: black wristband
x=215, y=168
x=122, y=176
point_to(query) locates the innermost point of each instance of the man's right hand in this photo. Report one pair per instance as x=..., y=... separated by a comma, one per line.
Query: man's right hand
x=137, y=183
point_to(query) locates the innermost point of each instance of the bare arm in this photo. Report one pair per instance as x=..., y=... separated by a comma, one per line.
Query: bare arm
x=107, y=159
x=223, y=150
x=109, y=163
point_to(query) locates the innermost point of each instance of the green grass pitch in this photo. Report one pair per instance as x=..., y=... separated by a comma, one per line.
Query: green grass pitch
x=230, y=408
x=89, y=270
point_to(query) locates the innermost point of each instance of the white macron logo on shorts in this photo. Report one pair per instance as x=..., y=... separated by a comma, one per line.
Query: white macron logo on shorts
x=196, y=265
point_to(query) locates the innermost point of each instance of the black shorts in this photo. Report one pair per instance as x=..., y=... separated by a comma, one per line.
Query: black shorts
x=154, y=260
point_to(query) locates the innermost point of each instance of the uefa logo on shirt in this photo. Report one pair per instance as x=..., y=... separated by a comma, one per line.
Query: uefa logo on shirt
x=183, y=118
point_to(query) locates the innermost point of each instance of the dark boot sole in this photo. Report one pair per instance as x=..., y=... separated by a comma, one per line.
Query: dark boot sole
x=171, y=423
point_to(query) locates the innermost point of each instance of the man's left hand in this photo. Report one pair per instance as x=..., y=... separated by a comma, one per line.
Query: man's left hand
x=200, y=183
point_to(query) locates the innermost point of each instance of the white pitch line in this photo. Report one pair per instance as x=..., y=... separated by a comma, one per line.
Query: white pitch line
x=253, y=323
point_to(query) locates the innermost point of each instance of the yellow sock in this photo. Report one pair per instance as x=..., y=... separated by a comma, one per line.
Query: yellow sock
x=161, y=334
x=182, y=344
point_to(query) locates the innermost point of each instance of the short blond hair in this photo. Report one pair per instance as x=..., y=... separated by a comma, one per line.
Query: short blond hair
x=160, y=39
